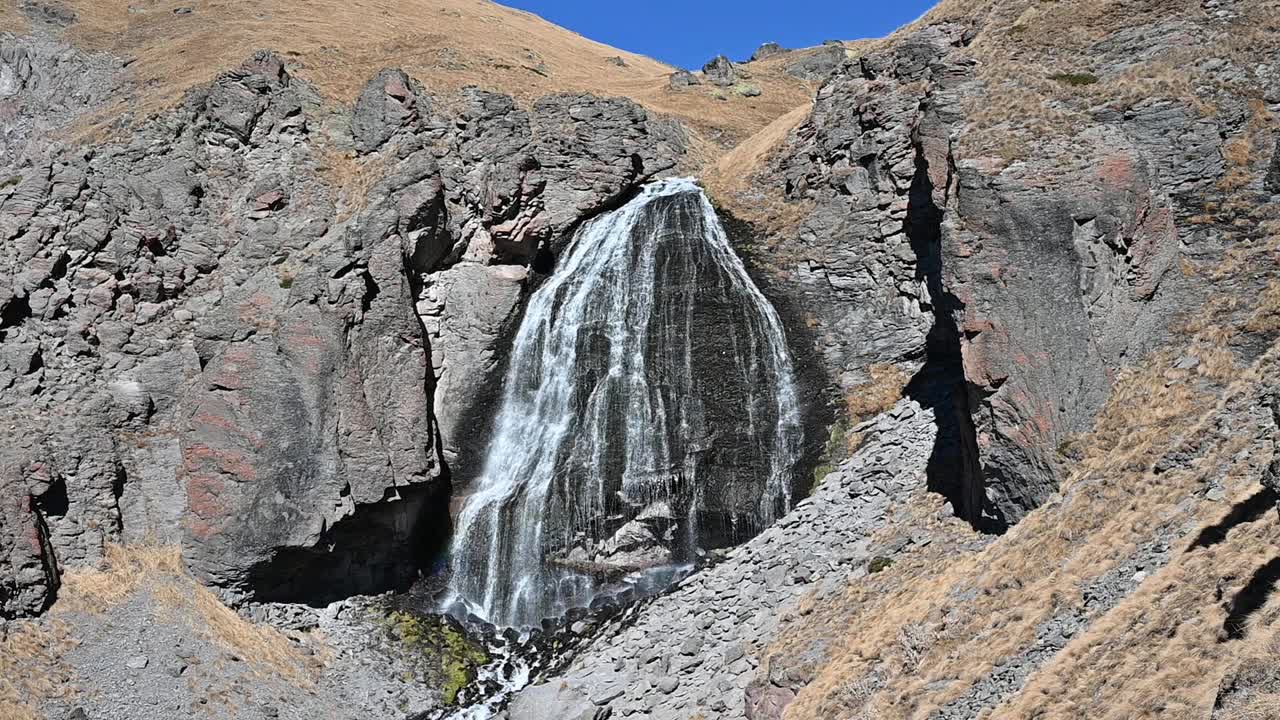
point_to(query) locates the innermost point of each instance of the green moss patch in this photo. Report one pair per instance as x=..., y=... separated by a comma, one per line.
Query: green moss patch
x=835, y=451
x=438, y=649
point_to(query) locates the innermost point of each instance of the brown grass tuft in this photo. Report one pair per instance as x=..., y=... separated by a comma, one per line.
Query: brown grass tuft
x=122, y=570
x=878, y=394
x=30, y=670
x=12, y=19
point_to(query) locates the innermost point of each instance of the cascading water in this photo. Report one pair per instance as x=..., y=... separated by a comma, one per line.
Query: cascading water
x=649, y=411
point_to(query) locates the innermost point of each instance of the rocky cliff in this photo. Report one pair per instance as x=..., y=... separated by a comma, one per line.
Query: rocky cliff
x=1025, y=254
x=207, y=342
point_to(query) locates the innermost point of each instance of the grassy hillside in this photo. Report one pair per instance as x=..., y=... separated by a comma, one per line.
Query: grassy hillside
x=447, y=44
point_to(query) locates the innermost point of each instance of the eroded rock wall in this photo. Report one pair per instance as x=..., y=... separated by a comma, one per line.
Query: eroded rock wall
x=209, y=339
x=1013, y=291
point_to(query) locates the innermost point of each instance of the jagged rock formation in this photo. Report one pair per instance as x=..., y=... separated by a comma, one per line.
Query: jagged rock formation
x=201, y=348
x=819, y=63
x=719, y=70
x=766, y=50
x=1032, y=291
x=268, y=327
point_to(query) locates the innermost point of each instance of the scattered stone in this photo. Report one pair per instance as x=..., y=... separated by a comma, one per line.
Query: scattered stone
x=137, y=662
x=681, y=79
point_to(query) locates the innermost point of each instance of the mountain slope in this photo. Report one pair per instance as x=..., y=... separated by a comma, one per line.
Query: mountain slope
x=336, y=46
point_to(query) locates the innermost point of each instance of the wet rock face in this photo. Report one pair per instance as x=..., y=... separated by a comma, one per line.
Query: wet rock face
x=519, y=182
x=703, y=648
x=200, y=345
x=649, y=412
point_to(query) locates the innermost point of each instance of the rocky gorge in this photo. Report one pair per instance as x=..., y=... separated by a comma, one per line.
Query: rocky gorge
x=253, y=345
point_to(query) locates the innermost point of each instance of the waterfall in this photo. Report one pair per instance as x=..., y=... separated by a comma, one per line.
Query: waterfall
x=649, y=412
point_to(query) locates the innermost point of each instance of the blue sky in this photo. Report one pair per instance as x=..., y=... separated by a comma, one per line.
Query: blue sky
x=687, y=33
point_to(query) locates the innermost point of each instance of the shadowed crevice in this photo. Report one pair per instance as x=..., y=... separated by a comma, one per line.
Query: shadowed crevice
x=1250, y=599
x=955, y=466
x=1245, y=511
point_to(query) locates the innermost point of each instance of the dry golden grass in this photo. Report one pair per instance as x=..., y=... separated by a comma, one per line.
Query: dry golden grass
x=730, y=174
x=1028, y=51
x=352, y=177
x=158, y=570
x=1034, y=572
x=11, y=19
x=122, y=570
x=1261, y=650
x=1159, y=654
x=447, y=44
x=879, y=393
x=1266, y=318
x=30, y=670
x=733, y=180
x=339, y=45
x=1250, y=151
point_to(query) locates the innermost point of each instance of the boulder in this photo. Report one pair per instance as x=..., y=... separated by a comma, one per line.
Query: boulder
x=681, y=79
x=720, y=71
x=767, y=50
x=555, y=700
x=388, y=102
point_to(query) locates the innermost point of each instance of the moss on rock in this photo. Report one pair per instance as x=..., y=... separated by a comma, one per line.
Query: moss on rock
x=439, y=649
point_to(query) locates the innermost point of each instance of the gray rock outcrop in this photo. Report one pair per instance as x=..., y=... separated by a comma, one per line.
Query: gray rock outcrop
x=767, y=50
x=681, y=79
x=203, y=342
x=818, y=63
x=720, y=71
x=1027, y=291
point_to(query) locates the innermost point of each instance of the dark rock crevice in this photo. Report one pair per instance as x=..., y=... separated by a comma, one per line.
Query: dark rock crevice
x=381, y=546
x=955, y=466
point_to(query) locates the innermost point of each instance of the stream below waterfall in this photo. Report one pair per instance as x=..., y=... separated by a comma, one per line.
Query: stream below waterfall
x=649, y=415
